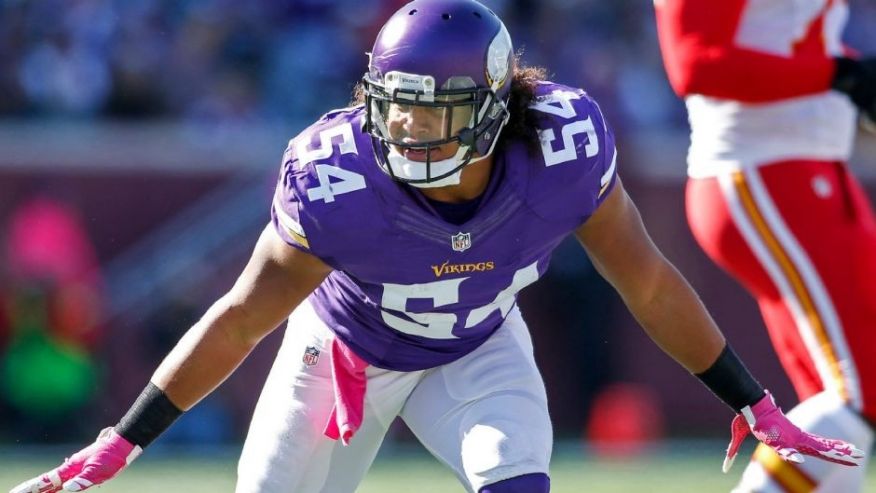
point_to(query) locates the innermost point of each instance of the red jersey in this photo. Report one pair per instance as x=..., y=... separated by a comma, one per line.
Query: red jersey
x=750, y=67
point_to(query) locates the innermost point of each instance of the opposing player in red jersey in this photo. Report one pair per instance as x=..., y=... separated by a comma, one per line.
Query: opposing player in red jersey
x=772, y=105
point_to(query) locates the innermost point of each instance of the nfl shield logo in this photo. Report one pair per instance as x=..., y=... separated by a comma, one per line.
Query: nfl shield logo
x=311, y=356
x=461, y=241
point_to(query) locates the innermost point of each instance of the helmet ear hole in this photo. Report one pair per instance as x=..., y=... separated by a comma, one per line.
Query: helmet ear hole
x=467, y=136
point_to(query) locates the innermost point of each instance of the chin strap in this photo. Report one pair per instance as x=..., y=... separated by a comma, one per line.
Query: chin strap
x=408, y=170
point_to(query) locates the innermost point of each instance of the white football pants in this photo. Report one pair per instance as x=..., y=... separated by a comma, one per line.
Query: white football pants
x=822, y=414
x=485, y=415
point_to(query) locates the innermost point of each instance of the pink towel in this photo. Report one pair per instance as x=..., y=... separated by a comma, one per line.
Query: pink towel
x=348, y=377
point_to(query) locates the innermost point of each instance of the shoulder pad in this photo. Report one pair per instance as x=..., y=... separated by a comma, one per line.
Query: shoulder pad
x=577, y=164
x=323, y=183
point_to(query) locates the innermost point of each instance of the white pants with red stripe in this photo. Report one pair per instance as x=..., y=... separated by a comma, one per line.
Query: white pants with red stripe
x=801, y=237
x=485, y=415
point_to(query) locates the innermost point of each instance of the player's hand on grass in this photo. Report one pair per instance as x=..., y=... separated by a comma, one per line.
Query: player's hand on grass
x=93, y=465
x=769, y=425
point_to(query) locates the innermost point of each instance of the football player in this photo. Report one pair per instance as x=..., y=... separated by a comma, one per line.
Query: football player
x=402, y=230
x=771, y=96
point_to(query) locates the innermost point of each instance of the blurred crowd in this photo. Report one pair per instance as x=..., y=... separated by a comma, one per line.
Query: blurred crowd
x=266, y=60
x=218, y=60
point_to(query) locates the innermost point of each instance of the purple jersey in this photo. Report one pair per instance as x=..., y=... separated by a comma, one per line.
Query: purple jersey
x=410, y=290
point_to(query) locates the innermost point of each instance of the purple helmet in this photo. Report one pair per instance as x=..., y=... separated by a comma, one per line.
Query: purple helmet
x=451, y=60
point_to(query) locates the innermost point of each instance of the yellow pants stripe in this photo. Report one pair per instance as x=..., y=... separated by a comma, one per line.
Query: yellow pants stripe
x=786, y=474
x=795, y=279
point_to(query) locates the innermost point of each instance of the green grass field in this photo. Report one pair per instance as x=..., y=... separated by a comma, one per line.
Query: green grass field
x=679, y=469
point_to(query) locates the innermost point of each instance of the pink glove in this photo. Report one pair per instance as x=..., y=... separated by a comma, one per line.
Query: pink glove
x=766, y=421
x=95, y=464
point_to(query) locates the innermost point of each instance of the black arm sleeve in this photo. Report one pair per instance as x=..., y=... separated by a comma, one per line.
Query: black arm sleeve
x=730, y=380
x=151, y=414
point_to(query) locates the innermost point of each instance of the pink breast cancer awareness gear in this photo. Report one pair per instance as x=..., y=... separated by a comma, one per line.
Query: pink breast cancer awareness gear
x=348, y=377
x=769, y=425
x=93, y=465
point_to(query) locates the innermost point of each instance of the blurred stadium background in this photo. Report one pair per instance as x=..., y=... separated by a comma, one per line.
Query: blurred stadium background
x=139, y=144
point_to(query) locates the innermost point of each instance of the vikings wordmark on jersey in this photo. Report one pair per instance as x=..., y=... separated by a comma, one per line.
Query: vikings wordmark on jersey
x=410, y=290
